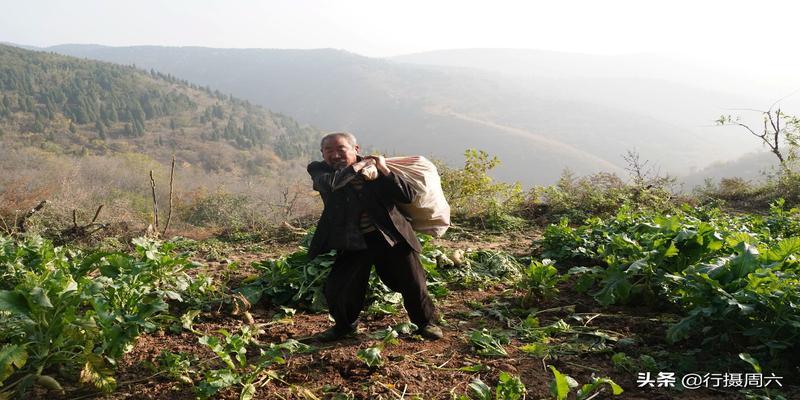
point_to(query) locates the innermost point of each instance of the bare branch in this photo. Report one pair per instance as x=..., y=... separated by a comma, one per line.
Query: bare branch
x=784, y=98
x=775, y=128
x=169, y=213
x=745, y=109
x=771, y=135
x=81, y=231
x=20, y=222
x=96, y=214
x=99, y=227
x=762, y=136
x=155, y=202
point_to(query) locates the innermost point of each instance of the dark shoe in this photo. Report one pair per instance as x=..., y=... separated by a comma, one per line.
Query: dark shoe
x=331, y=334
x=430, y=332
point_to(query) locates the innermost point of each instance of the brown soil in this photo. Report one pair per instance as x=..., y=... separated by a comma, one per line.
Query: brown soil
x=416, y=367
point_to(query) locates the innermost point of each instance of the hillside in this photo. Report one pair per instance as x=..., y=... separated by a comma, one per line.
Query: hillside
x=81, y=133
x=753, y=167
x=679, y=92
x=675, y=88
x=535, y=130
x=91, y=107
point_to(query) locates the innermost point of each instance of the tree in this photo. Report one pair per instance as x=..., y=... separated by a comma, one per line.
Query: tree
x=38, y=126
x=138, y=128
x=217, y=111
x=101, y=130
x=781, y=139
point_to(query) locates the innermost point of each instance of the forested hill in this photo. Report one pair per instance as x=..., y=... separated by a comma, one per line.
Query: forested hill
x=77, y=107
x=536, y=124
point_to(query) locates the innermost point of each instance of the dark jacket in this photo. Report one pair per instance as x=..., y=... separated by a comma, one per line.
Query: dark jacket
x=338, y=227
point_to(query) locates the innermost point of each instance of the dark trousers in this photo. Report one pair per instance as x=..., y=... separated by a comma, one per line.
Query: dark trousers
x=397, y=266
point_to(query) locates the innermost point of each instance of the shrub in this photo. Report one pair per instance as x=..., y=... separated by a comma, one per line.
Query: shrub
x=474, y=195
x=741, y=194
x=231, y=212
x=601, y=194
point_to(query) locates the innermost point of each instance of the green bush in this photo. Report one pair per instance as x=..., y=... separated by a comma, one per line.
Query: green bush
x=601, y=194
x=740, y=194
x=474, y=195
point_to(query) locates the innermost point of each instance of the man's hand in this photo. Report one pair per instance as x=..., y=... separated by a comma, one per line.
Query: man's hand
x=370, y=172
x=357, y=167
x=380, y=163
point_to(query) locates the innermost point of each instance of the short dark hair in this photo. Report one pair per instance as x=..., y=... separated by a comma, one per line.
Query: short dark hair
x=347, y=135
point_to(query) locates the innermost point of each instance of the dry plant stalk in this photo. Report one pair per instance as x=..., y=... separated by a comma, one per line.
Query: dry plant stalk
x=77, y=231
x=155, y=202
x=19, y=222
x=169, y=213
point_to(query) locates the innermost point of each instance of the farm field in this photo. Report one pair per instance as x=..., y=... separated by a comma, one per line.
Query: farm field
x=156, y=210
x=610, y=303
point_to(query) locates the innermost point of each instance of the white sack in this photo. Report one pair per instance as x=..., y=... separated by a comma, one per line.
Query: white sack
x=429, y=212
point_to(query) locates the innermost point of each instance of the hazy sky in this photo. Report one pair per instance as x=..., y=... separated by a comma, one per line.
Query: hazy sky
x=757, y=29
x=754, y=39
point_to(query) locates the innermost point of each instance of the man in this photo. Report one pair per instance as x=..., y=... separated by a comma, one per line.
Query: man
x=360, y=220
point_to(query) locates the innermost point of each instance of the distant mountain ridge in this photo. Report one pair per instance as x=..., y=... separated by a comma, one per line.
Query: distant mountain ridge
x=442, y=110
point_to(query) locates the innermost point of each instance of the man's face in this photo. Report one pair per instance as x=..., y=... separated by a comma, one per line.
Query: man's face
x=338, y=153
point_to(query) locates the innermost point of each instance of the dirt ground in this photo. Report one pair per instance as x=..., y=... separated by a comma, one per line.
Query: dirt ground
x=422, y=368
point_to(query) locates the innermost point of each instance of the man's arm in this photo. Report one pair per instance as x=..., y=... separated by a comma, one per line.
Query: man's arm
x=393, y=187
x=326, y=180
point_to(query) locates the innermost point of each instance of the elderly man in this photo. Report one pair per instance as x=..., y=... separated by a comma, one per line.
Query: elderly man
x=361, y=222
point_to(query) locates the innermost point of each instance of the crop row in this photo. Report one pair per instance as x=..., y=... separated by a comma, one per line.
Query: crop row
x=734, y=278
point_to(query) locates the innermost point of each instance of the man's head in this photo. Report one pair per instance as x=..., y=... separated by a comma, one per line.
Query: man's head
x=339, y=149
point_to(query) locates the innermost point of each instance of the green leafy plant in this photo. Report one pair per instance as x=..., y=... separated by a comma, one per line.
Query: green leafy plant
x=371, y=356
x=540, y=281
x=602, y=194
x=487, y=344
x=509, y=387
x=82, y=312
x=560, y=337
x=626, y=363
x=735, y=279
x=231, y=350
x=293, y=280
x=177, y=366
x=480, y=390
x=483, y=269
x=766, y=393
x=562, y=385
x=387, y=336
